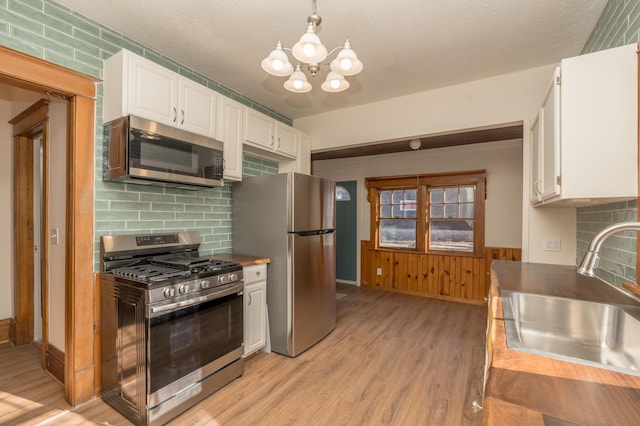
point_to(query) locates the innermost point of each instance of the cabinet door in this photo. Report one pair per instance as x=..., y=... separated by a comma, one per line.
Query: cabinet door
x=196, y=108
x=229, y=131
x=536, y=154
x=255, y=316
x=599, y=128
x=550, y=131
x=258, y=129
x=286, y=140
x=152, y=91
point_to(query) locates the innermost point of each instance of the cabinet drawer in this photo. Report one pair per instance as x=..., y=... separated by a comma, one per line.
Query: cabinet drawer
x=255, y=273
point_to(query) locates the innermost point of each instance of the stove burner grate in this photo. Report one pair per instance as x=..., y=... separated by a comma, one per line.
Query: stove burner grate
x=150, y=273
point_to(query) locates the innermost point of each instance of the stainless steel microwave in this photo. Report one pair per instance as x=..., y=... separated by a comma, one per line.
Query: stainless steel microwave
x=149, y=153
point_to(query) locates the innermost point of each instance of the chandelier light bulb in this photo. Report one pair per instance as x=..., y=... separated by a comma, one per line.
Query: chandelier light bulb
x=346, y=64
x=277, y=64
x=335, y=83
x=309, y=50
x=297, y=83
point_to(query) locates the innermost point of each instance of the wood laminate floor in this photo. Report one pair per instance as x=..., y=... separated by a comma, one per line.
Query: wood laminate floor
x=392, y=359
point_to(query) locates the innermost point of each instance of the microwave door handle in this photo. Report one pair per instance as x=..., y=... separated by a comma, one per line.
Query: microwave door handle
x=155, y=310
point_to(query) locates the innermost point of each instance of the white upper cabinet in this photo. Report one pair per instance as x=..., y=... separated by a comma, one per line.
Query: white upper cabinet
x=302, y=164
x=229, y=131
x=268, y=137
x=587, y=126
x=134, y=85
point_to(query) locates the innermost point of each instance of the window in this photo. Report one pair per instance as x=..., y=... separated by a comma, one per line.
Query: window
x=429, y=213
x=398, y=218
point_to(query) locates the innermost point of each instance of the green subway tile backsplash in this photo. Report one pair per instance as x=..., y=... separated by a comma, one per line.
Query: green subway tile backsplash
x=619, y=25
x=50, y=31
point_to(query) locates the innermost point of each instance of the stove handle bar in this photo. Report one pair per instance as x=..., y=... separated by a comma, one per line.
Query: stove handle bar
x=154, y=311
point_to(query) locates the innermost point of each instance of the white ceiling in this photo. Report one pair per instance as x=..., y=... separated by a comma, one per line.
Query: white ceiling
x=406, y=46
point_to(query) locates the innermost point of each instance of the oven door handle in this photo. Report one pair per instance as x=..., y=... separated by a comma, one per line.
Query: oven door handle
x=155, y=310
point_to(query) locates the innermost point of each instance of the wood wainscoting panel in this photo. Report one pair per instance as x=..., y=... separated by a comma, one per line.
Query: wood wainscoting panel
x=452, y=277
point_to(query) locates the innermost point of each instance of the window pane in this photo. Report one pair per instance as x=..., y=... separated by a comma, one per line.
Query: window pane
x=398, y=211
x=385, y=211
x=398, y=196
x=467, y=193
x=451, y=195
x=398, y=233
x=410, y=212
x=385, y=197
x=437, y=211
x=466, y=210
x=451, y=235
x=451, y=210
x=437, y=195
x=411, y=194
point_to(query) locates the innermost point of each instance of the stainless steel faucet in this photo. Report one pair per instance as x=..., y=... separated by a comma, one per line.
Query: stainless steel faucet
x=591, y=257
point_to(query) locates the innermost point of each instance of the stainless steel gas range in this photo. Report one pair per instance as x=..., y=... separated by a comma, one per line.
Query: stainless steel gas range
x=171, y=324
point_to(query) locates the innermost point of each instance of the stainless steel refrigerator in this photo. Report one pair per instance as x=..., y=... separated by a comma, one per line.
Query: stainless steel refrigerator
x=290, y=218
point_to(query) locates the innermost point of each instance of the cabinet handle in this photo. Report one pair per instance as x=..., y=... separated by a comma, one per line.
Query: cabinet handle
x=249, y=299
x=175, y=114
x=271, y=140
x=258, y=273
x=182, y=122
x=278, y=142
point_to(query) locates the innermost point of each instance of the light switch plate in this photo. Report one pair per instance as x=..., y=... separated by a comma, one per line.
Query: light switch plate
x=551, y=244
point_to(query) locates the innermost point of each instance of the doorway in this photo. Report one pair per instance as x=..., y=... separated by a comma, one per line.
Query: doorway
x=346, y=231
x=30, y=216
x=17, y=69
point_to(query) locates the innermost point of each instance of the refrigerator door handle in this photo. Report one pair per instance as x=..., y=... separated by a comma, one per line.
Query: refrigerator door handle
x=318, y=232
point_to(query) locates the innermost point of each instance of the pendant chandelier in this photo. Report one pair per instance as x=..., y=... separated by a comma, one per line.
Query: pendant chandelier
x=310, y=53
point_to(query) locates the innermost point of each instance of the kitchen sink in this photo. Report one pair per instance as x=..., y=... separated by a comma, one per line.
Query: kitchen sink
x=595, y=334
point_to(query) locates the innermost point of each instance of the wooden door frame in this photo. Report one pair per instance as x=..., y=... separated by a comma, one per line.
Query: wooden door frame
x=28, y=72
x=29, y=124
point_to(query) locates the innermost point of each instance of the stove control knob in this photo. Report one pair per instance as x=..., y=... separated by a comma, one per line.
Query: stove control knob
x=204, y=284
x=222, y=279
x=169, y=292
x=233, y=277
x=183, y=288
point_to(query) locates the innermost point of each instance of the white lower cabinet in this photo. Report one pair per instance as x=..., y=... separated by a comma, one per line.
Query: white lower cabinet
x=255, y=308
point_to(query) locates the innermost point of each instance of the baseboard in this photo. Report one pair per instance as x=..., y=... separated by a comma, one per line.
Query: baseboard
x=54, y=359
x=4, y=329
x=346, y=282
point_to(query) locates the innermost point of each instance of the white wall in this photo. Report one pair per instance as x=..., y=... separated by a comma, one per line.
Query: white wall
x=6, y=209
x=501, y=99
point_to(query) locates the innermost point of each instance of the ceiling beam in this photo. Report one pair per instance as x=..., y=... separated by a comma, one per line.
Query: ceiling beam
x=464, y=137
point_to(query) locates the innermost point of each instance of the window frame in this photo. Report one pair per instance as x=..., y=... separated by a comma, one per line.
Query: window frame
x=422, y=182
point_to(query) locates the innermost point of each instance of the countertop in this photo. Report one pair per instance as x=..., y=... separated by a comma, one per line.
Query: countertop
x=242, y=259
x=523, y=388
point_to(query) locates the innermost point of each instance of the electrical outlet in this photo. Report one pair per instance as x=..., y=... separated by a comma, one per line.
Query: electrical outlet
x=551, y=244
x=379, y=271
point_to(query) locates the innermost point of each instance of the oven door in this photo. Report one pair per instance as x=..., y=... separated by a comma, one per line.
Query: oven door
x=191, y=339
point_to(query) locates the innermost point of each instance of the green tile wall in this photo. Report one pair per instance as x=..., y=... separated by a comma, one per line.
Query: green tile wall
x=619, y=25
x=47, y=30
